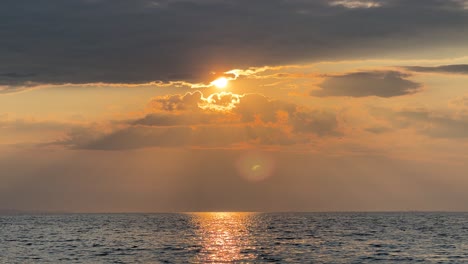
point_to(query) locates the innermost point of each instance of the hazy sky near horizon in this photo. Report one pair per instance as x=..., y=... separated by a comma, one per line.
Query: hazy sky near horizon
x=330, y=105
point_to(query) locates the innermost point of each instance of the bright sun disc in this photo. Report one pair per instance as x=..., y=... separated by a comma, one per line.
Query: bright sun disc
x=220, y=82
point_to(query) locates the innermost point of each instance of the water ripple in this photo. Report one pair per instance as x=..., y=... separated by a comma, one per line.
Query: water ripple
x=235, y=237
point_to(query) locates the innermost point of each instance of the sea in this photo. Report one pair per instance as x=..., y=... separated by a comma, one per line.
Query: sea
x=229, y=237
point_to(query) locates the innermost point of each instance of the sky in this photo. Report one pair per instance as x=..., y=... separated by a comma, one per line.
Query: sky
x=217, y=105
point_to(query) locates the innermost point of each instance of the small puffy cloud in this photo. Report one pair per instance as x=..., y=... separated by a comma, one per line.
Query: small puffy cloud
x=371, y=83
x=220, y=101
x=455, y=69
x=189, y=101
x=356, y=3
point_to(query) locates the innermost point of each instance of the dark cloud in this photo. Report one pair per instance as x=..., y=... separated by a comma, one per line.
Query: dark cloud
x=252, y=119
x=374, y=83
x=25, y=125
x=159, y=119
x=135, y=137
x=378, y=129
x=120, y=41
x=455, y=68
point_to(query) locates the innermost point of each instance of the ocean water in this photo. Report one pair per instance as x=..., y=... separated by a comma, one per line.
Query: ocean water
x=235, y=237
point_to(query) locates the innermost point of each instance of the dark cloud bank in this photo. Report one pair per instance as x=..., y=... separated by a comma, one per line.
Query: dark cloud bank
x=120, y=41
x=374, y=83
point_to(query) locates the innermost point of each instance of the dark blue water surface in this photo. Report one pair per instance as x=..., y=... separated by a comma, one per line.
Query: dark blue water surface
x=235, y=237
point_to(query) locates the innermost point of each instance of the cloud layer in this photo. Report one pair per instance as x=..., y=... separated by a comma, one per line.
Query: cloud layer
x=117, y=41
x=194, y=120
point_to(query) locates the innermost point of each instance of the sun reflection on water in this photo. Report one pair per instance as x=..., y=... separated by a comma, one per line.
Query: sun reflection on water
x=224, y=236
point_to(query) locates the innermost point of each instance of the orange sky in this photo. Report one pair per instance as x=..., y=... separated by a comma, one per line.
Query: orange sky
x=341, y=130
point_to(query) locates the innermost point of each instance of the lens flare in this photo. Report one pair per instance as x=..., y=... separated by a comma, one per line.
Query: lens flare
x=255, y=166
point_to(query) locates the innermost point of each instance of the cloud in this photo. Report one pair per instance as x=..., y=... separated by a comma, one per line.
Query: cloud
x=117, y=41
x=195, y=101
x=460, y=104
x=356, y=3
x=372, y=83
x=189, y=101
x=456, y=69
x=378, y=129
x=31, y=125
x=223, y=101
x=219, y=120
x=138, y=137
x=23, y=131
x=435, y=124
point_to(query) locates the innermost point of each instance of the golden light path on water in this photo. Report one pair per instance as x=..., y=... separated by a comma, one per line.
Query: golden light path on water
x=224, y=236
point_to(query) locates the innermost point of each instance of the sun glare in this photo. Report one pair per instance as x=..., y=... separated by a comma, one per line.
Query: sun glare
x=220, y=83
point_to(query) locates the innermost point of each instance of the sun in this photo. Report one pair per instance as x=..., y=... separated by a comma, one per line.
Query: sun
x=220, y=83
